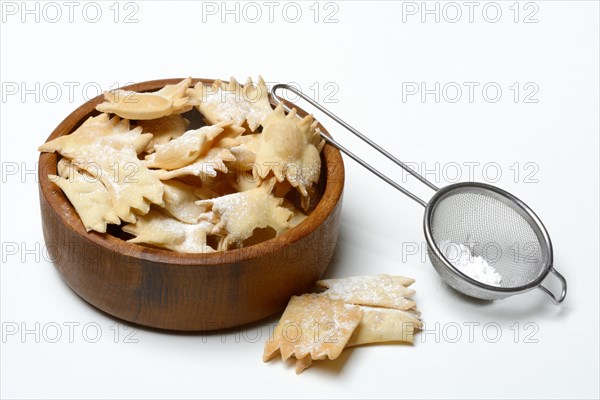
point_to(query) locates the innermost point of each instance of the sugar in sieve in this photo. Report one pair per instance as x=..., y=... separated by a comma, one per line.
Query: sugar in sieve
x=475, y=213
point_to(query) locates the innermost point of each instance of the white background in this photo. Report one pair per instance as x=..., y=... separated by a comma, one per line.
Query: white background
x=368, y=58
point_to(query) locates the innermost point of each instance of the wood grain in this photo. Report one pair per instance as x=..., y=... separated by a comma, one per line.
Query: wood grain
x=187, y=292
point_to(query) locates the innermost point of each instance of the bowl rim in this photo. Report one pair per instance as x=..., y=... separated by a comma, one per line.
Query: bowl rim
x=65, y=212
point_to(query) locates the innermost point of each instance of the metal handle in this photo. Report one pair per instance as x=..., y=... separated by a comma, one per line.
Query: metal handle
x=563, y=292
x=363, y=138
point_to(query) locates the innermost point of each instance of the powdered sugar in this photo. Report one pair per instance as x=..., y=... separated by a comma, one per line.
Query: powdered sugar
x=380, y=291
x=471, y=265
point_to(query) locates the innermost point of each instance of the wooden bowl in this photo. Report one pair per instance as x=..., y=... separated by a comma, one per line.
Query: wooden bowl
x=187, y=292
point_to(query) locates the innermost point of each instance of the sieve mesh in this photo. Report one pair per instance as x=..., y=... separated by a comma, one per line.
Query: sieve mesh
x=492, y=226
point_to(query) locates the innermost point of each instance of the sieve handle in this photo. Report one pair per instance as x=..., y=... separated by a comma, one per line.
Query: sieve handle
x=365, y=139
x=563, y=292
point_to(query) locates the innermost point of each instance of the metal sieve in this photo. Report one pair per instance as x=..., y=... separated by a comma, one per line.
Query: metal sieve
x=493, y=223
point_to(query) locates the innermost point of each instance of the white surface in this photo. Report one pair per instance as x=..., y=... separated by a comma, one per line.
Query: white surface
x=369, y=54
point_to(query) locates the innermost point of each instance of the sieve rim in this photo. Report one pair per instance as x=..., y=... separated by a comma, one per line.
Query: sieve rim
x=507, y=198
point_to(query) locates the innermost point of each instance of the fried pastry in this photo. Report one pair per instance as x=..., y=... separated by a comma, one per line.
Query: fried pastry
x=171, y=99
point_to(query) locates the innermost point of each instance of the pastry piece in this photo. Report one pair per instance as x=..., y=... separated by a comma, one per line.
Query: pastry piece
x=209, y=191
x=313, y=325
x=183, y=150
x=160, y=230
x=171, y=99
x=233, y=102
x=204, y=166
x=245, y=181
x=214, y=186
x=245, y=152
x=164, y=129
x=131, y=185
x=384, y=325
x=306, y=319
x=354, y=280
x=180, y=201
x=237, y=215
x=259, y=106
x=378, y=291
x=90, y=199
x=114, y=132
x=302, y=364
x=289, y=148
x=63, y=167
x=107, y=149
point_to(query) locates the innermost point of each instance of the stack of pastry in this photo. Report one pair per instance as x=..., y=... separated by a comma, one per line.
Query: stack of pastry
x=350, y=312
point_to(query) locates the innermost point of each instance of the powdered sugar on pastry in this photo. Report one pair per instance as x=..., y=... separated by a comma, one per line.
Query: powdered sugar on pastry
x=131, y=185
x=102, y=129
x=171, y=99
x=320, y=314
x=180, y=201
x=384, y=325
x=313, y=325
x=233, y=102
x=204, y=166
x=191, y=145
x=289, y=147
x=90, y=199
x=107, y=149
x=163, y=129
x=237, y=215
x=160, y=230
x=379, y=291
